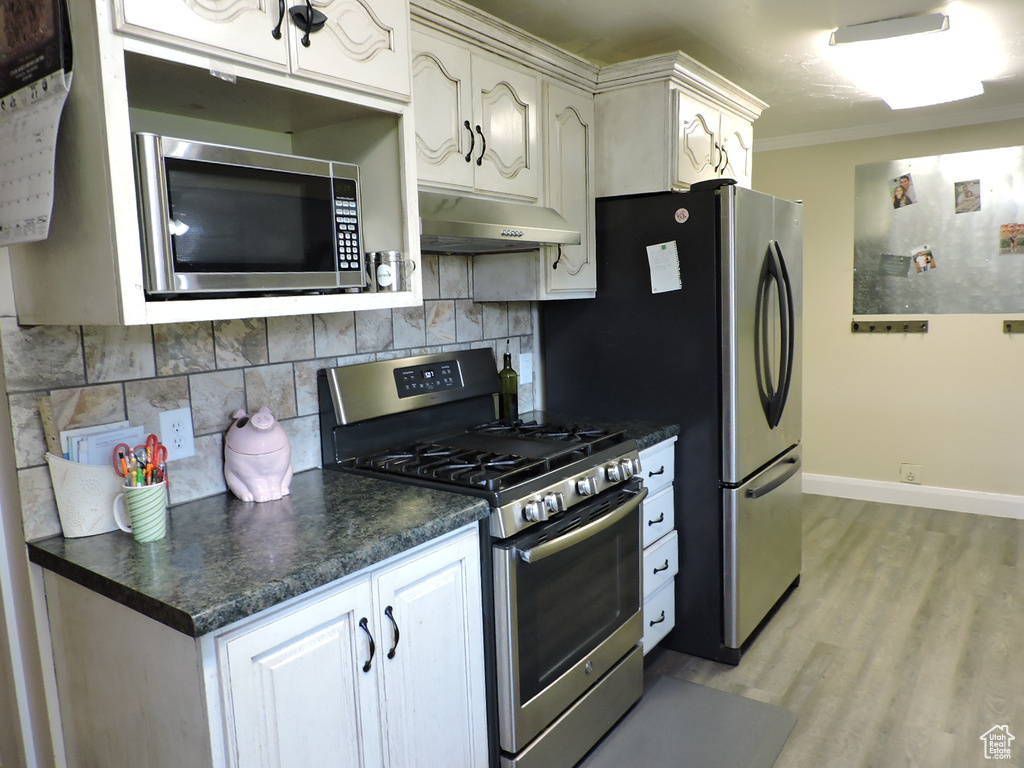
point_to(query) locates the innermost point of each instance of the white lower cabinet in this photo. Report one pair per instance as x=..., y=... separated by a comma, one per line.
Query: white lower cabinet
x=296, y=685
x=660, y=542
x=385, y=670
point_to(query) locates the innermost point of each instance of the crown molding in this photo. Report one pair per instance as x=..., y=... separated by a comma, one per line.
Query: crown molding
x=881, y=130
x=477, y=27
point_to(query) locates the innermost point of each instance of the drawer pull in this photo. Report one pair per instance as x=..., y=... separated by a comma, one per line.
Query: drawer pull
x=654, y=472
x=363, y=624
x=662, y=567
x=394, y=625
x=658, y=620
x=661, y=519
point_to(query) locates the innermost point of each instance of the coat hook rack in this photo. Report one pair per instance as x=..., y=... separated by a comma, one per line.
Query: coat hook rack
x=891, y=326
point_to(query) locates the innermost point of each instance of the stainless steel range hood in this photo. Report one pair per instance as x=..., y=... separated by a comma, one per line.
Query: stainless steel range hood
x=457, y=224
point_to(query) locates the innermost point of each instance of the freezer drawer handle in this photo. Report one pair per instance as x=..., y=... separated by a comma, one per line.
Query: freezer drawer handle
x=764, y=490
x=658, y=620
x=579, y=535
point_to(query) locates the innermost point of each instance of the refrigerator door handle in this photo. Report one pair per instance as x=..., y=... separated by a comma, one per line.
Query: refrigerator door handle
x=774, y=393
x=771, y=485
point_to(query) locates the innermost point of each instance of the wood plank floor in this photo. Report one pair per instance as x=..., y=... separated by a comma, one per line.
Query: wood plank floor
x=903, y=644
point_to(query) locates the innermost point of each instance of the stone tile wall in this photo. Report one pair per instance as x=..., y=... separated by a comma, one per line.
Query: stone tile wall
x=97, y=375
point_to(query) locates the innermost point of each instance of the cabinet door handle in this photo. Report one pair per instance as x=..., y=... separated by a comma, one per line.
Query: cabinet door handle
x=472, y=141
x=276, y=31
x=658, y=620
x=660, y=471
x=308, y=19
x=660, y=568
x=483, y=146
x=660, y=519
x=394, y=626
x=364, y=625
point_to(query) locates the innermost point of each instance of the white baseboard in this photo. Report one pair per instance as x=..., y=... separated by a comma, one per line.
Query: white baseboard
x=974, y=502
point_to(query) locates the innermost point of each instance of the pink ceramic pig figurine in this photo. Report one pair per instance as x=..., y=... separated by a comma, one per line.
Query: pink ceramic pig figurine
x=257, y=457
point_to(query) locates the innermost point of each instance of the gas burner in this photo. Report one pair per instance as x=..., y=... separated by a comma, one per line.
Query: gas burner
x=542, y=431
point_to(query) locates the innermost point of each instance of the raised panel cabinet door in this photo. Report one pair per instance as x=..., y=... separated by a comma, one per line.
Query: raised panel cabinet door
x=569, y=166
x=234, y=28
x=738, y=146
x=505, y=108
x=699, y=152
x=295, y=691
x=430, y=613
x=442, y=110
x=363, y=44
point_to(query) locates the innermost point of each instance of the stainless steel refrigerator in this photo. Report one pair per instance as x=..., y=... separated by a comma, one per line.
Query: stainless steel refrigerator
x=713, y=345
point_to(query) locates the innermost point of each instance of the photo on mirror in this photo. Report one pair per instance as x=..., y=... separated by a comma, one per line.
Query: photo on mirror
x=923, y=259
x=967, y=195
x=1011, y=238
x=901, y=190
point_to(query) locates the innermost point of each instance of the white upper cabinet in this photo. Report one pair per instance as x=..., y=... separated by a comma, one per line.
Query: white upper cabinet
x=359, y=43
x=667, y=122
x=476, y=120
x=713, y=143
x=211, y=71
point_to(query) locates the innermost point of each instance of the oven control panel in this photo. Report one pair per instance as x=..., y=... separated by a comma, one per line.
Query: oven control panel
x=425, y=379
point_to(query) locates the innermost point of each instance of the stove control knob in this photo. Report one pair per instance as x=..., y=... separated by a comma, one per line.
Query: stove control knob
x=630, y=467
x=555, y=501
x=586, y=486
x=536, y=511
x=616, y=473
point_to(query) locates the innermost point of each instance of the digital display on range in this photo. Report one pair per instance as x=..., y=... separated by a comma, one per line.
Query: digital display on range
x=424, y=379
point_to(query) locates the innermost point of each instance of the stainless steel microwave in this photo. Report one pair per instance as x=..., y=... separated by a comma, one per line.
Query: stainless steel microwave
x=227, y=220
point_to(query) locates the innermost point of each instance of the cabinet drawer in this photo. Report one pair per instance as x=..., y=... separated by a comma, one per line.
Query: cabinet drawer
x=658, y=514
x=659, y=615
x=659, y=466
x=661, y=562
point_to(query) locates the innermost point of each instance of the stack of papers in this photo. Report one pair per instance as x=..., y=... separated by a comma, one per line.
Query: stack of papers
x=95, y=445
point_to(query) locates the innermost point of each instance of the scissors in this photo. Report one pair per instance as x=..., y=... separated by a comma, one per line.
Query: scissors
x=138, y=465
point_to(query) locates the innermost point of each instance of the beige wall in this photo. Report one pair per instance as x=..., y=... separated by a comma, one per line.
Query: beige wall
x=951, y=400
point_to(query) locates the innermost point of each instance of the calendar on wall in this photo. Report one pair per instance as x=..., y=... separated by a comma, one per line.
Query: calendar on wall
x=35, y=77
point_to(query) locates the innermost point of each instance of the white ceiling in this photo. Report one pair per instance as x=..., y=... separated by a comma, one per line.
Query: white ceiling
x=777, y=50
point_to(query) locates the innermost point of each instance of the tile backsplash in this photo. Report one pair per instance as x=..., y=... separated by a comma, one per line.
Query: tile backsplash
x=96, y=375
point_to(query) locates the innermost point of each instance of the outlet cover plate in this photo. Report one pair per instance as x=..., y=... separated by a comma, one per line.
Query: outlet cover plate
x=910, y=473
x=176, y=433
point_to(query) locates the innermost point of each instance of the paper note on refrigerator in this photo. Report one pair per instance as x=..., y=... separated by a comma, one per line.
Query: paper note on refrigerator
x=664, y=261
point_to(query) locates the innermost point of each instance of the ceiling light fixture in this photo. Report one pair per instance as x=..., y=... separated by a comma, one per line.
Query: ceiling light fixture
x=900, y=61
x=882, y=30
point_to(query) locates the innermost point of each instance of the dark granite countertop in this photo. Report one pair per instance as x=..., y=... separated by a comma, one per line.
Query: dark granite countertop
x=224, y=559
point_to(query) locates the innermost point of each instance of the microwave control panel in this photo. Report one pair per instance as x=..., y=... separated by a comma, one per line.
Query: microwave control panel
x=346, y=217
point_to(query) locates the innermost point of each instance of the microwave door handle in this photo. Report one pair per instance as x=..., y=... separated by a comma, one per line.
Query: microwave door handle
x=562, y=543
x=155, y=212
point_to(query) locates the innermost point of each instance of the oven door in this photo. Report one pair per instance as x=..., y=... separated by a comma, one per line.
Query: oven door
x=567, y=609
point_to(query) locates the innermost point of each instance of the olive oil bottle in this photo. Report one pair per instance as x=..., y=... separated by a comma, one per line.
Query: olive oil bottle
x=508, y=401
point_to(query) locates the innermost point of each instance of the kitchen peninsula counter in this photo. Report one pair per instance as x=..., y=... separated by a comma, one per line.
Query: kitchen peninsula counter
x=224, y=559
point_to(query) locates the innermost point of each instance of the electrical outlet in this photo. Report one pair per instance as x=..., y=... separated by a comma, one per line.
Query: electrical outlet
x=176, y=433
x=910, y=473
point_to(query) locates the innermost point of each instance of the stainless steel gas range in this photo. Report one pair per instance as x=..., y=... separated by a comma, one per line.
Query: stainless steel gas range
x=564, y=534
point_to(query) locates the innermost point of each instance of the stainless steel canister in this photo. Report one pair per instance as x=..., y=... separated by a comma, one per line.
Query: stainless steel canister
x=388, y=270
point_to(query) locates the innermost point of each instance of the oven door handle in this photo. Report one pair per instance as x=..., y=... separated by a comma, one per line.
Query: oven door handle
x=573, y=538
